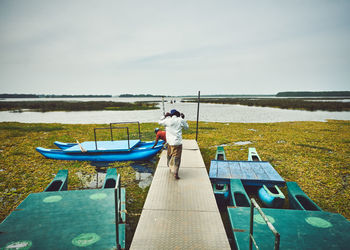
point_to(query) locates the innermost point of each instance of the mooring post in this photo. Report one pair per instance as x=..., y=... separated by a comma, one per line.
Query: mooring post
x=199, y=97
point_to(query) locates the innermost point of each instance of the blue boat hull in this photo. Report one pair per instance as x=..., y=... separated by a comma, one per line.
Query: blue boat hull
x=142, y=151
x=63, y=145
x=270, y=199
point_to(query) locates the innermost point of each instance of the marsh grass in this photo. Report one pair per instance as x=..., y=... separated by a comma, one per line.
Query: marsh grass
x=283, y=103
x=46, y=106
x=316, y=155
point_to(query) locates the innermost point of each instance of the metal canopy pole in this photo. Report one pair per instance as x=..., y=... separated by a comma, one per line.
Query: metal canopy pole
x=199, y=97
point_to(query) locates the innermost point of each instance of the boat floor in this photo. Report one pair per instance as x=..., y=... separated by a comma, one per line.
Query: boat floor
x=104, y=146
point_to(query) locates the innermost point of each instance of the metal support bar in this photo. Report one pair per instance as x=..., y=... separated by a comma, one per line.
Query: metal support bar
x=199, y=97
x=117, y=196
x=269, y=224
x=111, y=128
x=138, y=124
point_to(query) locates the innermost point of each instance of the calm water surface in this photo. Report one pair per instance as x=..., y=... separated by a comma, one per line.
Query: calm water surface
x=208, y=113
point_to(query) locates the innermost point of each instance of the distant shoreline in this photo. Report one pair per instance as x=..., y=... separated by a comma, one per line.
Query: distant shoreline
x=51, y=96
x=48, y=106
x=309, y=104
x=313, y=94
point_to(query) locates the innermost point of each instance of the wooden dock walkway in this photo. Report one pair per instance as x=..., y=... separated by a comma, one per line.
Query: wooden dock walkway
x=181, y=214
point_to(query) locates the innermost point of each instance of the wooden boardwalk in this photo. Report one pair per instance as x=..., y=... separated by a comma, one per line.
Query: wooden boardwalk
x=181, y=214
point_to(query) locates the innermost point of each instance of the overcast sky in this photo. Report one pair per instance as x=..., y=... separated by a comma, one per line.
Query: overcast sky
x=174, y=47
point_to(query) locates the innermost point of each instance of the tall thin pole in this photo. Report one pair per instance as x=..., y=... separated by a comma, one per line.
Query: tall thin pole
x=199, y=97
x=163, y=105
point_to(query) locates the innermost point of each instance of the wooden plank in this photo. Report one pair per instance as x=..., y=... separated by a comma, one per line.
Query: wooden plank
x=213, y=169
x=250, y=172
x=223, y=170
x=236, y=170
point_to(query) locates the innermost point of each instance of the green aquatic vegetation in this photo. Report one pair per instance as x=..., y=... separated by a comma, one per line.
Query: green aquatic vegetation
x=316, y=155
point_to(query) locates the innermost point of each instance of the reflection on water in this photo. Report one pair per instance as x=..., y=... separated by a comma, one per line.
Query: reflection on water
x=143, y=173
x=243, y=142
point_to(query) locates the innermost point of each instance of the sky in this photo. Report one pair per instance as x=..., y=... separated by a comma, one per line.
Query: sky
x=174, y=47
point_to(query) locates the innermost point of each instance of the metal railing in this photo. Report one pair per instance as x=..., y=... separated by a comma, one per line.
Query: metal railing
x=117, y=197
x=111, y=131
x=111, y=128
x=269, y=224
x=116, y=123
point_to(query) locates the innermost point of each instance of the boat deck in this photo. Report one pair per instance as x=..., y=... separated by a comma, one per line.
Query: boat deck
x=299, y=229
x=62, y=220
x=181, y=214
x=255, y=173
x=104, y=146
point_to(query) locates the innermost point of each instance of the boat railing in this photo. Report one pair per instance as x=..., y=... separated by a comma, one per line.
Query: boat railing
x=116, y=123
x=269, y=224
x=111, y=128
x=117, y=196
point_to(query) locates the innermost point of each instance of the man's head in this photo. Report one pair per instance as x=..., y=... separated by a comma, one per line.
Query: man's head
x=174, y=112
x=156, y=130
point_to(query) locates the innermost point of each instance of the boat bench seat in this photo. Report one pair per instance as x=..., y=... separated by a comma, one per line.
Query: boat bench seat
x=239, y=197
x=59, y=183
x=253, y=155
x=111, y=178
x=220, y=154
x=298, y=199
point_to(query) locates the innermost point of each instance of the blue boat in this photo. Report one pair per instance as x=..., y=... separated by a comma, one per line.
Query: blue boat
x=253, y=155
x=299, y=200
x=104, y=151
x=59, y=183
x=221, y=191
x=271, y=196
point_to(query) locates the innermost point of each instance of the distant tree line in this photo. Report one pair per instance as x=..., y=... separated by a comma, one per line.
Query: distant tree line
x=313, y=94
x=49, y=96
x=140, y=95
x=45, y=106
x=283, y=103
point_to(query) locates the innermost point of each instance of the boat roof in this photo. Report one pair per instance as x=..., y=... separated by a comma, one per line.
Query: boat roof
x=104, y=146
x=44, y=219
x=255, y=173
x=298, y=229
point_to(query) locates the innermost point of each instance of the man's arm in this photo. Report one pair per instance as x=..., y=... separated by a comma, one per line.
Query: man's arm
x=183, y=122
x=155, y=143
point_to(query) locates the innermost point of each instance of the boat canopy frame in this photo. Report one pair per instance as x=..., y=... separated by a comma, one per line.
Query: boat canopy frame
x=116, y=123
x=111, y=131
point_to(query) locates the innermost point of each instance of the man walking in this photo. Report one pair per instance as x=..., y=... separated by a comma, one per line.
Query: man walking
x=173, y=126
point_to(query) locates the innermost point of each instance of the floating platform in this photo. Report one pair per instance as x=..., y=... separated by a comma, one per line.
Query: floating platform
x=298, y=229
x=63, y=220
x=251, y=173
x=92, y=218
x=181, y=214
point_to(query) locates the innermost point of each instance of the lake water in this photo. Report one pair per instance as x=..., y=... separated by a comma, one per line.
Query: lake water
x=208, y=113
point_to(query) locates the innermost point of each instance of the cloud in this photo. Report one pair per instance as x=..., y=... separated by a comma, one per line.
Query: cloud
x=176, y=47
